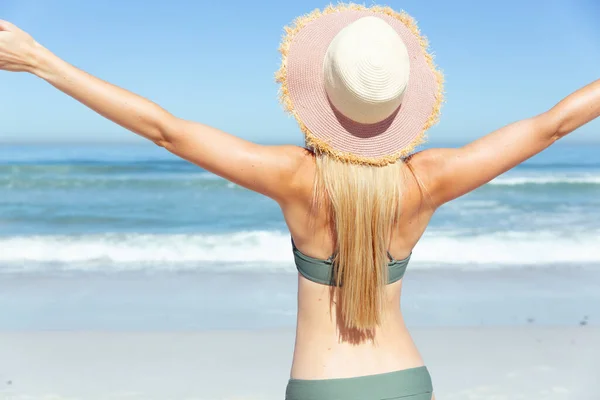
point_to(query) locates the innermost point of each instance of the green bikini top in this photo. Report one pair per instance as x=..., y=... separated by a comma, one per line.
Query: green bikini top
x=321, y=271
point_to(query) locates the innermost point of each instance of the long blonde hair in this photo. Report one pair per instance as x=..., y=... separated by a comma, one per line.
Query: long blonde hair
x=363, y=203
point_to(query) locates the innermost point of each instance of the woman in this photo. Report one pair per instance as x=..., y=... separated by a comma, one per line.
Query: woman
x=357, y=199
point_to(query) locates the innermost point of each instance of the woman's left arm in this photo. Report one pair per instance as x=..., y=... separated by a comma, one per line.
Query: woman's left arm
x=269, y=170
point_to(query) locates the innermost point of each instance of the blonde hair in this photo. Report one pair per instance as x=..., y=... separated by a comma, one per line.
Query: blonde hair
x=362, y=204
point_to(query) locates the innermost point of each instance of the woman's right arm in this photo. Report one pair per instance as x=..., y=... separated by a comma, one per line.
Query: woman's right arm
x=452, y=173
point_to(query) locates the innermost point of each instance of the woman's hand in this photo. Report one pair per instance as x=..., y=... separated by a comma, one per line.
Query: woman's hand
x=17, y=49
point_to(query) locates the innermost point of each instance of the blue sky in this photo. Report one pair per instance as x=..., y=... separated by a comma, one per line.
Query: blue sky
x=214, y=62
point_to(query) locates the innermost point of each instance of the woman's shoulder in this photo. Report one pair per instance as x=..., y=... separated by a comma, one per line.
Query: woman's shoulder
x=426, y=166
x=301, y=158
x=298, y=163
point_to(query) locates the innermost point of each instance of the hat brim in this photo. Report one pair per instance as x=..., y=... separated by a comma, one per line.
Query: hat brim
x=303, y=89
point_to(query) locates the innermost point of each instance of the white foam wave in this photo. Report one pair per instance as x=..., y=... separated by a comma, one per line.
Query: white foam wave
x=546, y=180
x=260, y=250
x=509, y=248
x=261, y=246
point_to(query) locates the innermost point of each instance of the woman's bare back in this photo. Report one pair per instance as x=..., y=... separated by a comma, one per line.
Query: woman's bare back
x=324, y=348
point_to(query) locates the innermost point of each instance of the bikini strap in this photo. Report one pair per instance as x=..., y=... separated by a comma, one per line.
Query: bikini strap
x=392, y=259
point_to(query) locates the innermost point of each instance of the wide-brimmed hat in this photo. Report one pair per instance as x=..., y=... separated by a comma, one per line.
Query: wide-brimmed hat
x=360, y=82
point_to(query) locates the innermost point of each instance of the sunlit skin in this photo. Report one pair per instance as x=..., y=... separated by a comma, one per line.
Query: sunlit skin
x=286, y=174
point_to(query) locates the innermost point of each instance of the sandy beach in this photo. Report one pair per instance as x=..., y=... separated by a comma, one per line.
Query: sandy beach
x=554, y=363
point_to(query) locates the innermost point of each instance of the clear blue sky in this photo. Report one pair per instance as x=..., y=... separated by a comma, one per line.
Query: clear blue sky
x=214, y=62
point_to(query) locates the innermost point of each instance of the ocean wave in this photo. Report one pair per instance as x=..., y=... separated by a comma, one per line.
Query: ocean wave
x=180, y=173
x=128, y=249
x=257, y=250
x=148, y=180
x=95, y=168
x=190, y=178
x=547, y=180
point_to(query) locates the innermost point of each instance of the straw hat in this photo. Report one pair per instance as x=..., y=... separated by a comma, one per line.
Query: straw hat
x=360, y=82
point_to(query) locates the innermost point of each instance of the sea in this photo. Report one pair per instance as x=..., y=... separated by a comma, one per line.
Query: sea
x=129, y=237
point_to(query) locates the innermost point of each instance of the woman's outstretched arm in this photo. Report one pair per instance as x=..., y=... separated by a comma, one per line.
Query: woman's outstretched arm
x=269, y=170
x=452, y=173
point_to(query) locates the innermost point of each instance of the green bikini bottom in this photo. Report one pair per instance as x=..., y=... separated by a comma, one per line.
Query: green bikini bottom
x=413, y=383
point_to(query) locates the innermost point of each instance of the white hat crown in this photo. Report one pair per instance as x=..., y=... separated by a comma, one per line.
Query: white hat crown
x=366, y=69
